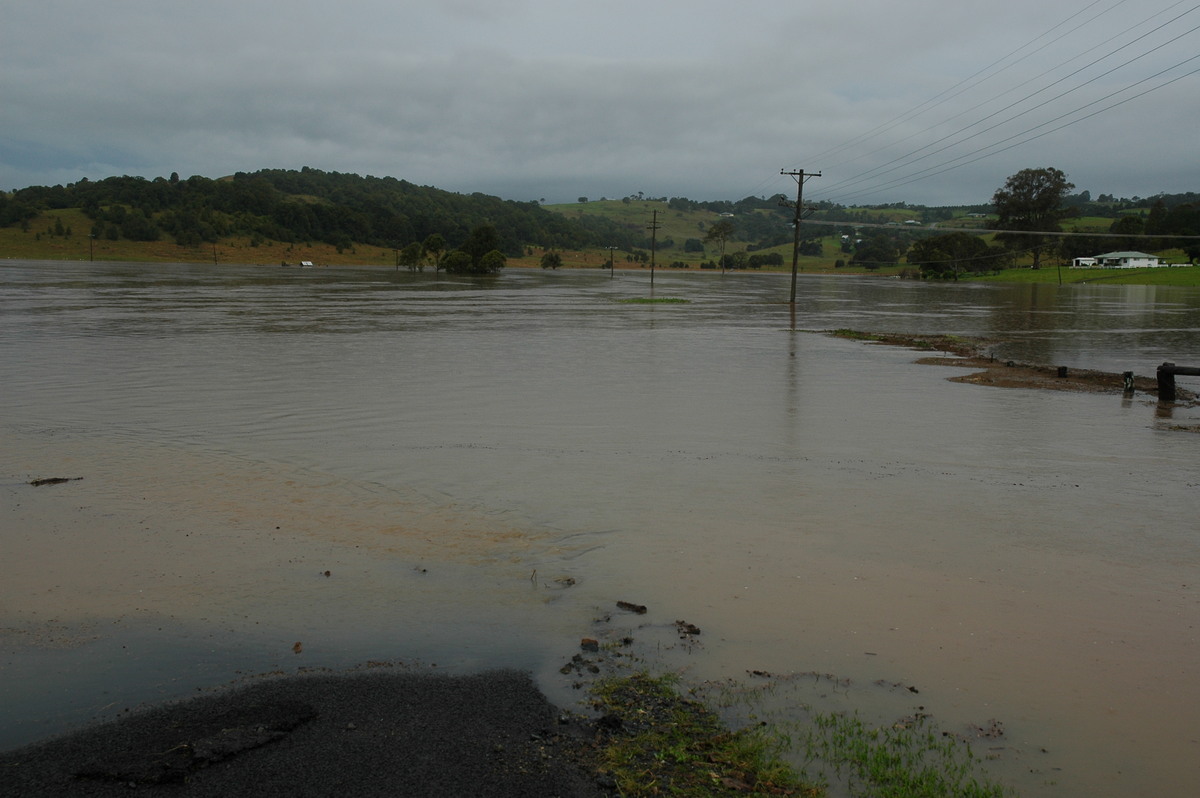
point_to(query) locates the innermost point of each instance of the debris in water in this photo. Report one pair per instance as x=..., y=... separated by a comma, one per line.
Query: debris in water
x=52, y=481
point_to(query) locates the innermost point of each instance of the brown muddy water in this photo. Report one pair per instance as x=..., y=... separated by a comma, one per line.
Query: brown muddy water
x=454, y=453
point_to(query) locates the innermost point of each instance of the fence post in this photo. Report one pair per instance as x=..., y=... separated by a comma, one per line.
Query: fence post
x=1166, y=382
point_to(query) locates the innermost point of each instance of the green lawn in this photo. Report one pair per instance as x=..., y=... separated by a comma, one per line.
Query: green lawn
x=1178, y=275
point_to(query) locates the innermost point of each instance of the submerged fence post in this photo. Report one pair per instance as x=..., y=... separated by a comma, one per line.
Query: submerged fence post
x=1166, y=379
x=1166, y=382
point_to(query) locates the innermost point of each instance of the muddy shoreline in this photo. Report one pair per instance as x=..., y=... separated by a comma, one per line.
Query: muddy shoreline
x=974, y=353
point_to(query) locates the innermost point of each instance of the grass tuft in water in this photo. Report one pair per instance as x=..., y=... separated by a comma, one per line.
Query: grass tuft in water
x=908, y=759
x=663, y=300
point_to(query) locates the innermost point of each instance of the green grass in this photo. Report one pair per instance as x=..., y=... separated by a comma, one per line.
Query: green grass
x=907, y=759
x=1088, y=224
x=665, y=744
x=1177, y=275
x=663, y=741
x=666, y=300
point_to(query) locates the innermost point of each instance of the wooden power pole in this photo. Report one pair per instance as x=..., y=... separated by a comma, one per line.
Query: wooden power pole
x=800, y=177
x=653, y=228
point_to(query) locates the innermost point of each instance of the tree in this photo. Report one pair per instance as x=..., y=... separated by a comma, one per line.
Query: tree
x=434, y=246
x=949, y=255
x=411, y=257
x=1030, y=202
x=482, y=240
x=492, y=262
x=457, y=262
x=1156, y=224
x=760, y=259
x=1128, y=225
x=551, y=260
x=880, y=249
x=1072, y=247
x=461, y=262
x=136, y=226
x=720, y=233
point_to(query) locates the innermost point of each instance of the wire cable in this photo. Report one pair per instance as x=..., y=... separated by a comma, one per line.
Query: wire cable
x=982, y=153
x=903, y=161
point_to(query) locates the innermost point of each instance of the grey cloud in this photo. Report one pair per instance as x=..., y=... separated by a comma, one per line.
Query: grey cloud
x=531, y=98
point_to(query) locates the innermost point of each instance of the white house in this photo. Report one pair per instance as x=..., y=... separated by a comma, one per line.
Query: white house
x=1118, y=260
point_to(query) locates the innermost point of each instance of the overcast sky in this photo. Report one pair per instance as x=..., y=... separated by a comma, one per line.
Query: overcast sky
x=925, y=101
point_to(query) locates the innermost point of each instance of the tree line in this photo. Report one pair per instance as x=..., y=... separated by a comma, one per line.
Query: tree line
x=429, y=226
x=310, y=205
x=1030, y=205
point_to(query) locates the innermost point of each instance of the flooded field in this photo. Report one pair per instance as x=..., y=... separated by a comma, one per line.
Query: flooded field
x=408, y=467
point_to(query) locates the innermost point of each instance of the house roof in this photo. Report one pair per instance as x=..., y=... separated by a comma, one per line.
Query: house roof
x=1127, y=255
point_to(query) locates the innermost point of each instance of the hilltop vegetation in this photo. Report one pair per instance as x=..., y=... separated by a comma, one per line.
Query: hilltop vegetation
x=296, y=207
x=274, y=216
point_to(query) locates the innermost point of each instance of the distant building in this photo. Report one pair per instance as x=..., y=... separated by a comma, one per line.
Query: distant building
x=1119, y=260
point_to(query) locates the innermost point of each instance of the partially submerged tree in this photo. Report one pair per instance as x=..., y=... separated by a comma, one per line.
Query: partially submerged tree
x=491, y=263
x=434, y=246
x=411, y=256
x=1030, y=203
x=457, y=262
x=482, y=240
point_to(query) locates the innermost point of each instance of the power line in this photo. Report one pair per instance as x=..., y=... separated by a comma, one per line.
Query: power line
x=962, y=86
x=1055, y=233
x=900, y=162
x=982, y=153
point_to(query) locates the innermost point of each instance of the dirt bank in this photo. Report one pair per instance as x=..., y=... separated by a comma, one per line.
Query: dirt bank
x=962, y=352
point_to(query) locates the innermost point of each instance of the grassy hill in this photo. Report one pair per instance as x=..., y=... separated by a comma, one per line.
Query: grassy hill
x=678, y=226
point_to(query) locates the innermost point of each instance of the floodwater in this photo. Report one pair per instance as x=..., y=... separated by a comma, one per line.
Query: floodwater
x=454, y=452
